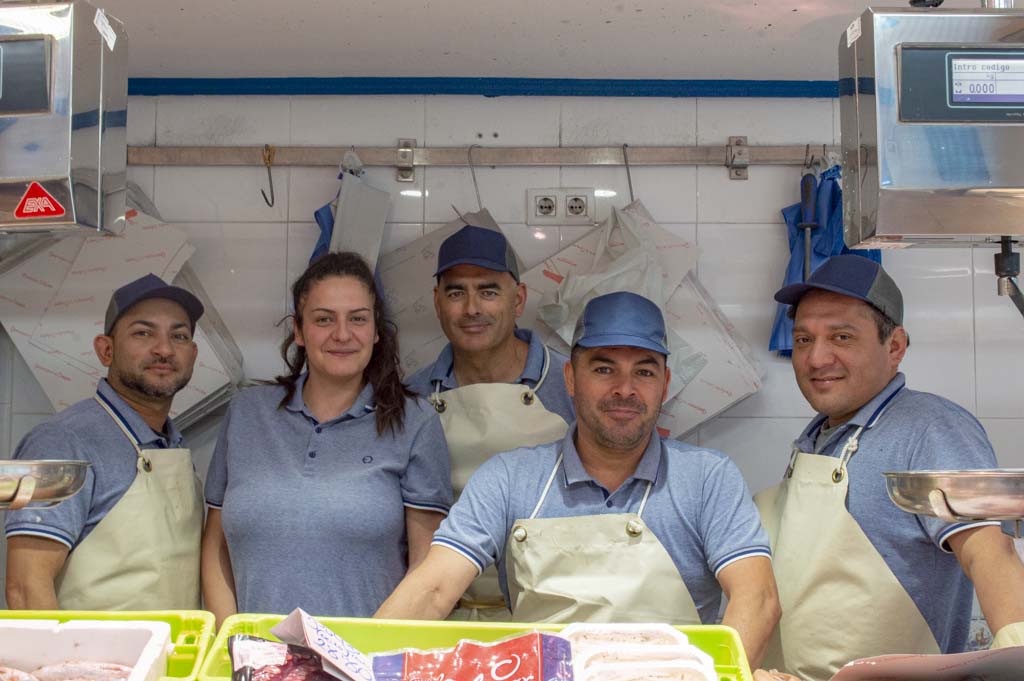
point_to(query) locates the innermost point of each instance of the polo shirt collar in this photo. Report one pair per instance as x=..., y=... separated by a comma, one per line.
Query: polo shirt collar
x=443, y=369
x=363, y=405
x=146, y=436
x=646, y=469
x=805, y=442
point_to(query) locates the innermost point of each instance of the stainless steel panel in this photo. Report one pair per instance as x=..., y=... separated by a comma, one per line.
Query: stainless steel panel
x=77, y=149
x=916, y=182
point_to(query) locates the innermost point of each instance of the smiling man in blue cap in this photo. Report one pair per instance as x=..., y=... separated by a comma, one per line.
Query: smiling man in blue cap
x=611, y=523
x=129, y=540
x=859, y=577
x=495, y=386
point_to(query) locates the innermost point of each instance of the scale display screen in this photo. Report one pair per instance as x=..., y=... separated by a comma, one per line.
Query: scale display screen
x=987, y=80
x=24, y=76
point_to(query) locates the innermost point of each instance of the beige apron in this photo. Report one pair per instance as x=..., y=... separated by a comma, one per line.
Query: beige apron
x=840, y=601
x=479, y=421
x=144, y=554
x=594, y=568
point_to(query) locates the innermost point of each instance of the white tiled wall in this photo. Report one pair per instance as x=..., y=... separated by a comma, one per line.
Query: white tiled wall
x=965, y=339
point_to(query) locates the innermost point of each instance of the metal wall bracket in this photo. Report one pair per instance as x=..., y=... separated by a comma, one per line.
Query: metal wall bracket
x=737, y=158
x=406, y=157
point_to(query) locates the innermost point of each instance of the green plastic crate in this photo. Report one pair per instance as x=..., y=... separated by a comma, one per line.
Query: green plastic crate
x=192, y=632
x=377, y=636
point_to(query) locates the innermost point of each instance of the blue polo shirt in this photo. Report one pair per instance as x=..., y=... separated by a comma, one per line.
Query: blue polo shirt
x=314, y=513
x=916, y=431
x=85, y=432
x=552, y=393
x=699, y=508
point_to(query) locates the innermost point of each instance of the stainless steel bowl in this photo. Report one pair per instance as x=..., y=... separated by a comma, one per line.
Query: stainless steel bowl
x=995, y=494
x=51, y=481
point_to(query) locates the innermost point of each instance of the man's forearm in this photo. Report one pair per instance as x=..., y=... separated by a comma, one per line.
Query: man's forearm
x=754, y=616
x=998, y=576
x=412, y=601
x=30, y=593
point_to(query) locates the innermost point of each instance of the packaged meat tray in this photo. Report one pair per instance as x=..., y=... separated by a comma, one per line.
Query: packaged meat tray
x=84, y=650
x=186, y=637
x=721, y=643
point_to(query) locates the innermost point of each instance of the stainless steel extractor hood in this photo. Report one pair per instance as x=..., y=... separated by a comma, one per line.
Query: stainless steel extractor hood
x=932, y=117
x=63, y=97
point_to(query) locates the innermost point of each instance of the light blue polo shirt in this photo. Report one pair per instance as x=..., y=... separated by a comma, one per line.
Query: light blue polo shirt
x=85, y=432
x=314, y=513
x=552, y=393
x=916, y=431
x=699, y=508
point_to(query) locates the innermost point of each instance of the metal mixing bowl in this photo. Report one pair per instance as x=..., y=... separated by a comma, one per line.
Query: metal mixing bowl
x=995, y=494
x=55, y=480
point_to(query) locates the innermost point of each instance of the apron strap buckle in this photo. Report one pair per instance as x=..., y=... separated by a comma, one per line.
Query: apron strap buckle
x=634, y=528
x=527, y=398
x=147, y=465
x=439, y=405
x=838, y=475
x=519, y=533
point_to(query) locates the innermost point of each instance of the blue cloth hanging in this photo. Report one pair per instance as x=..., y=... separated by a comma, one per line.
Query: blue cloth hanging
x=826, y=241
x=324, y=217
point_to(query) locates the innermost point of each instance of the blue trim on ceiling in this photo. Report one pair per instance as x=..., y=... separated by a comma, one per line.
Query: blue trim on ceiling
x=488, y=87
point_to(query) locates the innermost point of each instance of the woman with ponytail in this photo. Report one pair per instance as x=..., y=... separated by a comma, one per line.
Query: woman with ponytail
x=326, y=487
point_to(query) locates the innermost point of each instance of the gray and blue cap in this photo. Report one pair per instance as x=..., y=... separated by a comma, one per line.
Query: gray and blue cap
x=621, y=319
x=472, y=245
x=854, y=276
x=144, y=288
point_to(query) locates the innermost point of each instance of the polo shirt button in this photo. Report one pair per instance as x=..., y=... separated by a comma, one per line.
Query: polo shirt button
x=318, y=429
x=312, y=455
x=608, y=503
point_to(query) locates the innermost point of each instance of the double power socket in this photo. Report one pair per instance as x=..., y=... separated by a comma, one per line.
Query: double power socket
x=560, y=206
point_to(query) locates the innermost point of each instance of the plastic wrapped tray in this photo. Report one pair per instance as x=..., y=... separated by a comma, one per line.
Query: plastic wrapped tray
x=374, y=636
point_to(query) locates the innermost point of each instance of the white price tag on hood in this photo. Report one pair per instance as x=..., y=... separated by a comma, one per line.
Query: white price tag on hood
x=853, y=32
x=103, y=26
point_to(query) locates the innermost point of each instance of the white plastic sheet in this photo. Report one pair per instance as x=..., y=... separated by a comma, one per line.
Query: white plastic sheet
x=730, y=372
x=54, y=303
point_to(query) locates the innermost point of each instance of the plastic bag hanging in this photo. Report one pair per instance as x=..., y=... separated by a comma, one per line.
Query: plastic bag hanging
x=826, y=241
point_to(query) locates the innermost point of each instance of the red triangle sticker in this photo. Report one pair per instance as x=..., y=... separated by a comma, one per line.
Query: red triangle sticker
x=38, y=203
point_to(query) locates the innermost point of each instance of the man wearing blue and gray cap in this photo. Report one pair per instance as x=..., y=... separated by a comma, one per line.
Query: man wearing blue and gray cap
x=495, y=387
x=611, y=523
x=857, y=576
x=129, y=540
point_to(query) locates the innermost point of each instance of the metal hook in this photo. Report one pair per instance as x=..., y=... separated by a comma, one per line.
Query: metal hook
x=808, y=158
x=472, y=171
x=629, y=175
x=268, y=160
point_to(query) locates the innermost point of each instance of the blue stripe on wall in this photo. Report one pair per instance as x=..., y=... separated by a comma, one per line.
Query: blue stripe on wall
x=488, y=87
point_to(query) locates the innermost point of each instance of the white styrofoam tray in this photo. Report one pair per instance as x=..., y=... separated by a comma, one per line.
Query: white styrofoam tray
x=30, y=644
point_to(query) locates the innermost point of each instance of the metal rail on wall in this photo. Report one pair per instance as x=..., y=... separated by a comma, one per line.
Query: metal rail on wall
x=737, y=156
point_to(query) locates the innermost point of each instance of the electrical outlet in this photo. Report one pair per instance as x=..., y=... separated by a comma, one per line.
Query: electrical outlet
x=560, y=206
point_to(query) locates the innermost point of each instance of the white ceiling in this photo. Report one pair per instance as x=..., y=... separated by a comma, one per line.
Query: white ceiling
x=635, y=39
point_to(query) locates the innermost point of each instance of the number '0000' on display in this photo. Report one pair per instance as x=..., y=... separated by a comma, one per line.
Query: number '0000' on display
x=997, y=81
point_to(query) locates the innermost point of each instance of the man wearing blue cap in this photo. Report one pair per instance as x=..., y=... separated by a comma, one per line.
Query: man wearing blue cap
x=611, y=523
x=495, y=386
x=857, y=576
x=129, y=540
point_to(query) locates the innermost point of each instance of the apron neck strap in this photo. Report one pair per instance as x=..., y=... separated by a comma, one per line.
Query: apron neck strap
x=438, y=401
x=853, y=442
x=120, y=423
x=544, y=494
x=643, y=502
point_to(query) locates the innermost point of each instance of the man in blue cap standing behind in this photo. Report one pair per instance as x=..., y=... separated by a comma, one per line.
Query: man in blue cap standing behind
x=129, y=540
x=611, y=523
x=858, y=577
x=495, y=386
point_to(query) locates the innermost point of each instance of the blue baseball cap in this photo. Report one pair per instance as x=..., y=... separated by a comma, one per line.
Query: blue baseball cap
x=472, y=245
x=854, y=276
x=621, y=319
x=144, y=288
